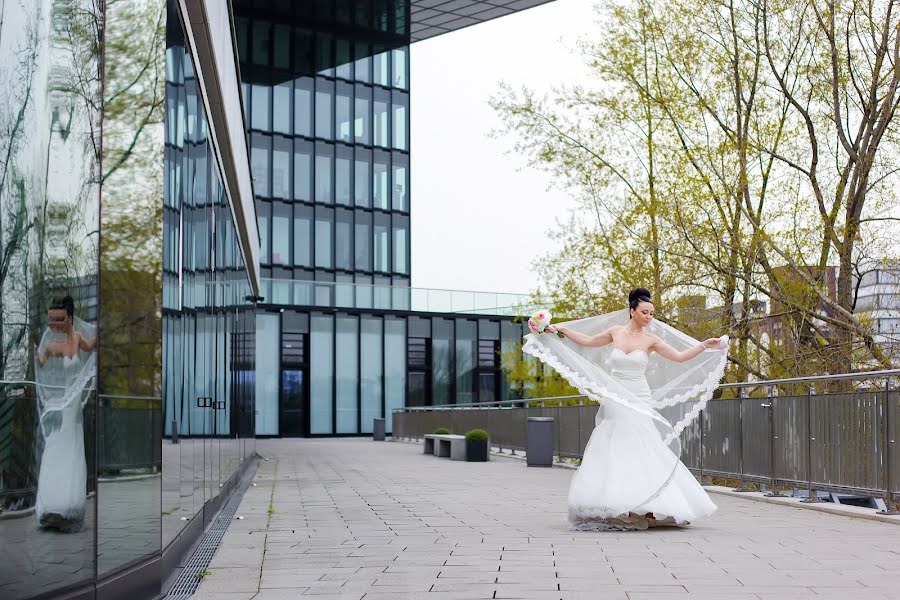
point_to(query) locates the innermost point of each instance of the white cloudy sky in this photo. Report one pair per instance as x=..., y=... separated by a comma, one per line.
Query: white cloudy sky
x=472, y=200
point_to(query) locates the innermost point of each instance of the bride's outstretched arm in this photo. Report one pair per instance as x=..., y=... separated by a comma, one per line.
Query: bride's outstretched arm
x=667, y=351
x=591, y=341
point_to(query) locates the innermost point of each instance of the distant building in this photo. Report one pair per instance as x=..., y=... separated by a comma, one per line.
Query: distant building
x=878, y=302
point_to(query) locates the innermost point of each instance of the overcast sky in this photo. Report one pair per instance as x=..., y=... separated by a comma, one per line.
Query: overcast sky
x=473, y=201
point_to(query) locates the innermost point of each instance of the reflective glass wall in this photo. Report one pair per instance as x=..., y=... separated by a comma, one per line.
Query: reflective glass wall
x=209, y=326
x=49, y=251
x=123, y=311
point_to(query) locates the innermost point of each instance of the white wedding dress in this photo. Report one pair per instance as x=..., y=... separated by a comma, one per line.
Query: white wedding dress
x=61, y=489
x=627, y=470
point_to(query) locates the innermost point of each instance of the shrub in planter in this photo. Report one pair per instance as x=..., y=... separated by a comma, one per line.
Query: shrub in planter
x=477, y=445
x=441, y=431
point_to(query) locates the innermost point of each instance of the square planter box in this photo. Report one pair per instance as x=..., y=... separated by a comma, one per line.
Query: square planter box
x=477, y=451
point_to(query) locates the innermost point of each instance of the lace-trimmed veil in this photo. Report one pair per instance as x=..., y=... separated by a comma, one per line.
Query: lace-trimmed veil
x=57, y=388
x=679, y=391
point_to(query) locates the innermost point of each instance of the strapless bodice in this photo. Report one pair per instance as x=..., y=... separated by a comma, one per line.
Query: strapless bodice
x=628, y=365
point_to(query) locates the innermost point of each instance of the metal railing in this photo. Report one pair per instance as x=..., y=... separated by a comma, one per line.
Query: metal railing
x=830, y=433
x=123, y=446
x=387, y=297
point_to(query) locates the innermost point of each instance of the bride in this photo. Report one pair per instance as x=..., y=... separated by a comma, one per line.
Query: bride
x=65, y=365
x=651, y=382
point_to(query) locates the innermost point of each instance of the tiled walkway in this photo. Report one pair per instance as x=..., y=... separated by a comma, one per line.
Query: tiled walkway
x=379, y=520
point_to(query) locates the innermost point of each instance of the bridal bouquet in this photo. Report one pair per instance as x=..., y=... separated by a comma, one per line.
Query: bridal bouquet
x=539, y=322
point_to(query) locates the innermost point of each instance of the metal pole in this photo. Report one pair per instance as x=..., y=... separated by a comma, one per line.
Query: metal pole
x=742, y=393
x=811, y=495
x=703, y=483
x=890, y=508
x=773, y=393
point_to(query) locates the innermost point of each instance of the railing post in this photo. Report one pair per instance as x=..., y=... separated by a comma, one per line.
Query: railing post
x=770, y=405
x=890, y=505
x=811, y=494
x=700, y=420
x=742, y=393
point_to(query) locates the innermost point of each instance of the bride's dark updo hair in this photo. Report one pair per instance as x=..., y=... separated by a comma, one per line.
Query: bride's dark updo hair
x=636, y=296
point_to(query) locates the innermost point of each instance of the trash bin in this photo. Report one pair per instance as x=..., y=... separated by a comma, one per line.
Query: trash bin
x=539, y=441
x=378, y=430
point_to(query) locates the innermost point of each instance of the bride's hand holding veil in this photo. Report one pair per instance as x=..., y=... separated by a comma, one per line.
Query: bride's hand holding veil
x=589, y=341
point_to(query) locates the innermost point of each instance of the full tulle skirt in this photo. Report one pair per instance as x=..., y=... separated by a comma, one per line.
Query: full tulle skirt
x=61, y=490
x=627, y=472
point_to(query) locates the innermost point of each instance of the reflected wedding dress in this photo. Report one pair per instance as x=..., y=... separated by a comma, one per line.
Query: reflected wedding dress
x=63, y=385
x=624, y=452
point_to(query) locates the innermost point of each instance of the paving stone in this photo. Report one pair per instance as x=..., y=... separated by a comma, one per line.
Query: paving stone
x=378, y=521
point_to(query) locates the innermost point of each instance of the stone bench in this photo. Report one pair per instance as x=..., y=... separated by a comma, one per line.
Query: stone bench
x=446, y=445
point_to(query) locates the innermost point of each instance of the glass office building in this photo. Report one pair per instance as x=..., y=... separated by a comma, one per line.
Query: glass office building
x=326, y=90
x=205, y=238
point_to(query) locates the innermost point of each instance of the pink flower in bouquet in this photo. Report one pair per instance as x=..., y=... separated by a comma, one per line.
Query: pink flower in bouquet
x=540, y=322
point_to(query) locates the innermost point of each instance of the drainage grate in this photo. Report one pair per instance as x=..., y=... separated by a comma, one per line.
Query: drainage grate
x=189, y=579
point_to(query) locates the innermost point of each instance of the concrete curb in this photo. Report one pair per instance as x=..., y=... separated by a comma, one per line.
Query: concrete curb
x=843, y=510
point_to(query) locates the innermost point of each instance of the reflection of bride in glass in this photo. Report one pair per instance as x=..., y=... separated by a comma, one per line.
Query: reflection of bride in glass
x=65, y=365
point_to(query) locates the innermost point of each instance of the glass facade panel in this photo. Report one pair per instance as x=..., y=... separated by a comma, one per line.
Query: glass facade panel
x=394, y=368
x=261, y=147
x=268, y=329
x=281, y=234
x=324, y=112
x=442, y=344
x=303, y=106
x=324, y=55
x=510, y=344
x=324, y=174
x=259, y=107
x=343, y=176
x=363, y=66
x=261, y=42
x=363, y=239
x=364, y=295
x=362, y=178
x=399, y=68
x=401, y=244
x=343, y=59
x=324, y=225
x=362, y=130
x=382, y=68
x=50, y=216
x=281, y=167
x=382, y=242
x=347, y=375
x=343, y=290
x=343, y=240
x=381, y=118
x=281, y=107
x=466, y=355
x=263, y=219
x=303, y=236
x=344, y=124
x=282, y=47
x=303, y=174
x=371, y=371
x=321, y=366
x=400, y=121
x=381, y=186
x=400, y=189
